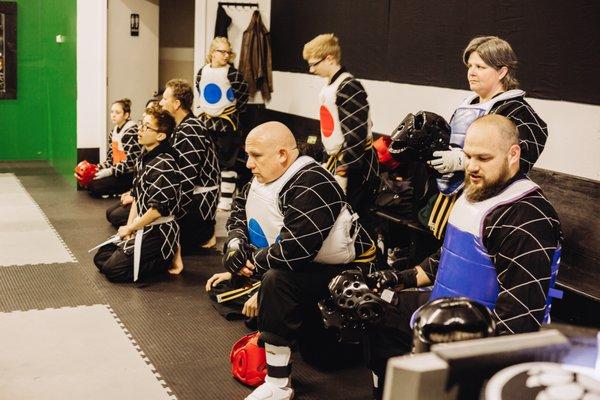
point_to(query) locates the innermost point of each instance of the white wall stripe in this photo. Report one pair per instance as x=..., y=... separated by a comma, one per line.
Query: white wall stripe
x=574, y=128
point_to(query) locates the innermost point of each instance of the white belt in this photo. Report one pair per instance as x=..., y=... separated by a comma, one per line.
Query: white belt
x=137, y=245
x=202, y=189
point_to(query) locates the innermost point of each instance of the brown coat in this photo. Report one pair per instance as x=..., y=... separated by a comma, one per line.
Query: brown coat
x=255, y=58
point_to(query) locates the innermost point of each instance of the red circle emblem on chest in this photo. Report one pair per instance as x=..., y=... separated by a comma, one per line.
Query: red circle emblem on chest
x=326, y=121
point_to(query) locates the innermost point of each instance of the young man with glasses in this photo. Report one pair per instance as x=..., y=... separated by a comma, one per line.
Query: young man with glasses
x=200, y=168
x=223, y=96
x=345, y=125
x=148, y=241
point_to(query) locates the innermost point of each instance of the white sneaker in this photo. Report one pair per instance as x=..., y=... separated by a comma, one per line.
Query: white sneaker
x=268, y=391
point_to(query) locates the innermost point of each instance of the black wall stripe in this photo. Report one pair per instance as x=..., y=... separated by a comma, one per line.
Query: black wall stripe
x=421, y=41
x=91, y=154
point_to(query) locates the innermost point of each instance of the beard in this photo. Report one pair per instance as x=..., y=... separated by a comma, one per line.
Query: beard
x=487, y=189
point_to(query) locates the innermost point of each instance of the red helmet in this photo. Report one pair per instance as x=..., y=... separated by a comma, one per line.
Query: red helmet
x=85, y=172
x=248, y=360
x=382, y=145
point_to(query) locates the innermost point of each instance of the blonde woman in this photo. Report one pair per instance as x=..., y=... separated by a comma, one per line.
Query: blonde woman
x=223, y=96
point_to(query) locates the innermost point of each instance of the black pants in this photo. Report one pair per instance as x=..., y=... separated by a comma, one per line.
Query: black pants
x=395, y=337
x=228, y=147
x=111, y=185
x=361, y=197
x=118, y=214
x=195, y=229
x=117, y=266
x=288, y=314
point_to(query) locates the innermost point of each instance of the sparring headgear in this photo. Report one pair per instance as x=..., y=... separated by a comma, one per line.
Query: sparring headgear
x=450, y=319
x=351, y=305
x=85, y=172
x=418, y=136
x=248, y=360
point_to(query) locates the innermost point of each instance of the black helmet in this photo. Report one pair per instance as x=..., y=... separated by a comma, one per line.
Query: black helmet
x=450, y=319
x=418, y=136
x=351, y=305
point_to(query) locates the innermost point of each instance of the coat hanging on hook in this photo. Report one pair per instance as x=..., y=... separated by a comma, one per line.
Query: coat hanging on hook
x=255, y=58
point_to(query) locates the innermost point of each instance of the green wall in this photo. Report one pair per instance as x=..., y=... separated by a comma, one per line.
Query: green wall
x=41, y=124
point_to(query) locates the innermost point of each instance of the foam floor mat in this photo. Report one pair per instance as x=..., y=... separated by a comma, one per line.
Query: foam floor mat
x=26, y=235
x=73, y=353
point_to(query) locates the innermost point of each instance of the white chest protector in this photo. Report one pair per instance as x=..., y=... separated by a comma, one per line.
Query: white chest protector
x=331, y=131
x=216, y=93
x=265, y=219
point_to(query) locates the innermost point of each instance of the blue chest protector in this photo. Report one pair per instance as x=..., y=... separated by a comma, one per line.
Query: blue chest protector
x=465, y=267
x=462, y=118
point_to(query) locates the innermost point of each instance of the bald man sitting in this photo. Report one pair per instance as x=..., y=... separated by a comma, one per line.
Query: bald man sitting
x=501, y=249
x=291, y=225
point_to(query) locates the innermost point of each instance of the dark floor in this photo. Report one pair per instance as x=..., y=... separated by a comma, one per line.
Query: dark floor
x=171, y=318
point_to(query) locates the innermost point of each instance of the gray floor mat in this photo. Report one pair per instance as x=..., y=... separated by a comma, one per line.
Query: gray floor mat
x=26, y=236
x=73, y=353
x=171, y=319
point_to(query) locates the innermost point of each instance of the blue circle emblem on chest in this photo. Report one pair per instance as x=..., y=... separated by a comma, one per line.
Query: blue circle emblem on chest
x=212, y=93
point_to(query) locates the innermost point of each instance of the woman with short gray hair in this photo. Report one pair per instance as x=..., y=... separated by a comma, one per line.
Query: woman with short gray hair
x=491, y=72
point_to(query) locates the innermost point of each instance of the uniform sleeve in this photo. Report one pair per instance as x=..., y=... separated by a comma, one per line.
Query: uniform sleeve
x=162, y=186
x=430, y=265
x=240, y=89
x=109, y=156
x=132, y=151
x=191, y=151
x=309, y=211
x=236, y=223
x=533, y=131
x=353, y=110
x=521, y=240
x=198, y=76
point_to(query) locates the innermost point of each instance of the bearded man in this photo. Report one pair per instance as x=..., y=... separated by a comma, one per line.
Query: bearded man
x=501, y=249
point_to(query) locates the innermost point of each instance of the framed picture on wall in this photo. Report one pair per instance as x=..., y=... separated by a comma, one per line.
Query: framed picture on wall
x=8, y=50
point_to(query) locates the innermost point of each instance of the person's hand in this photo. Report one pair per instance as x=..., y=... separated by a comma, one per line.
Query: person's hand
x=391, y=278
x=383, y=279
x=103, y=173
x=447, y=161
x=251, y=306
x=248, y=270
x=126, y=198
x=234, y=259
x=125, y=232
x=216, y=279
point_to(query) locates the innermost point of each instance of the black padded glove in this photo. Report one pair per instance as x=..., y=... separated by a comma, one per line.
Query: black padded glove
x=235, y=254
x=390, y=278
x=234, y=260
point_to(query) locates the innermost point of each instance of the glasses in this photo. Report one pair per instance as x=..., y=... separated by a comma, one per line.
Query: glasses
x=224, y=52
x=312, y=65
x=144, y=127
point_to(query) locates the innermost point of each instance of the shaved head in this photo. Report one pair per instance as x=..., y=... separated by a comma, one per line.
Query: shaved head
x=271, y=149
x=273, y=134
x=498, y=128
x=493, y=156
